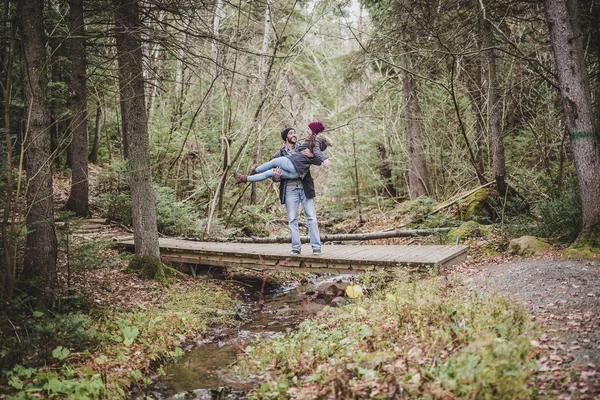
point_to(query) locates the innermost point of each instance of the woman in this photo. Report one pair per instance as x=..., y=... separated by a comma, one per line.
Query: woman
x=295, y=165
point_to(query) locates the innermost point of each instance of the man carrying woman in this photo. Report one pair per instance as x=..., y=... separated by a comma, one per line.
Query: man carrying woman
x=291, y=166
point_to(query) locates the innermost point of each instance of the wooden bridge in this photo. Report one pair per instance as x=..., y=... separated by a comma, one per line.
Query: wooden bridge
x=334, y=258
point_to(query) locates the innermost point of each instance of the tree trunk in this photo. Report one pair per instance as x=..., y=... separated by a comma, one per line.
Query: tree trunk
x=385, y=171
x=40, y=253
x=565, y=37
x=472, y=154
x=124, y=147
x=473, y=81
x=78, y=201
x=594, y=16
x=154, y=56
x=263, y=75
x=180, y=66
x=418, y=175
x=135, y=128
x=58, y=140
x=494, y=108
x=356, y=178
x=219, y=14
x=8, y=263
x=480, y=139
x=97, y=131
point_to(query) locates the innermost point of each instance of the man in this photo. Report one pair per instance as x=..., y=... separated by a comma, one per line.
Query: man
x=293, y=192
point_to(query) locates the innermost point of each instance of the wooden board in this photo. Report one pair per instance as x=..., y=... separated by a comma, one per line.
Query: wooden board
x=334, y=258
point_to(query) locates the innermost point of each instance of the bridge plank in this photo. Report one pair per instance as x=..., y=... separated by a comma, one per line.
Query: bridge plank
x=333, y=257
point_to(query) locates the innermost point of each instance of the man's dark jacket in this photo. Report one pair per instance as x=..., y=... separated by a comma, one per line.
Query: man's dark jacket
x=307, y=183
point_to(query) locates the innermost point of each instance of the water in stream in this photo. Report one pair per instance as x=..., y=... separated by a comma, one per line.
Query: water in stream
x=196, y=375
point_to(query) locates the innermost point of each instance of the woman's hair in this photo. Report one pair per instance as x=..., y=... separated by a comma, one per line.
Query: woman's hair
x=312, y=140
x=315, y=127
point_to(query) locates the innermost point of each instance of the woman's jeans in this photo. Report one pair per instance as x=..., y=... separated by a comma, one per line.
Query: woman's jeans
x=265, y=171
x=294, y=196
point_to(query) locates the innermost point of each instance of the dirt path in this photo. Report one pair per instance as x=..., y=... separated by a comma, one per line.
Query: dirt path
x=563, y=296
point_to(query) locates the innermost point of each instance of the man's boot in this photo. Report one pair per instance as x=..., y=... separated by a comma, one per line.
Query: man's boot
x=253, y=169
x=239, y=178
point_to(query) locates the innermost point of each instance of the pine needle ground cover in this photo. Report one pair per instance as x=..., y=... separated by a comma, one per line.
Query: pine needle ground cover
x=425, y=339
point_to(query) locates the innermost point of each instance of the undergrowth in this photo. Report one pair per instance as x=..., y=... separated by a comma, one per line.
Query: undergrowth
x=173, y=217
x=104, y=354
x=422, y=339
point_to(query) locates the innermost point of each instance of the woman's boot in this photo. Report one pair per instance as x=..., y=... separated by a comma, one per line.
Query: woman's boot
x=239, y=178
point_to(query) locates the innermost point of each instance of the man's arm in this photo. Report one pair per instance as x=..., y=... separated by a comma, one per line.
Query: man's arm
x=308, y=153
x=277, y=172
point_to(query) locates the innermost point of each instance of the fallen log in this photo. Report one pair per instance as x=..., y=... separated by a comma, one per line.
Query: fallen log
x=446, y=204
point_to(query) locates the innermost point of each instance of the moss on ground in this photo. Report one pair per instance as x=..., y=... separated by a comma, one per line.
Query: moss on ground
x=151, y=269
x=476, y=207
x=469, y=230
x=587, y=244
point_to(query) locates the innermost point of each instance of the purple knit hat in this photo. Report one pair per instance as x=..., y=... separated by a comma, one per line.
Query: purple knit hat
x=316, y=127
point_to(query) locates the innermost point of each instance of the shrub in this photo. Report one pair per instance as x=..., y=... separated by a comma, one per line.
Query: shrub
x=43, y=332
x=425, y=339
x=561, y=218
x=174, y=217
x=439, y=221
x=114, y=178
x=416, y=209
x=252, y=220
x=115, y=206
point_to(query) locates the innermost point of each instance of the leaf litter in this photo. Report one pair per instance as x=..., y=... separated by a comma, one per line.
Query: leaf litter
x=563, y=297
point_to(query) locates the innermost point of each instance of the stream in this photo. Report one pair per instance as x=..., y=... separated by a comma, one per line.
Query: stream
x=196, y=375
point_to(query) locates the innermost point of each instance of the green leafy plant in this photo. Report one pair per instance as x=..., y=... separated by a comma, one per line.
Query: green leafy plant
x=64, y=382
x=129, y=333
x=427, y=336
x=418, y=208
x=114, y=178
x=174, y=217
x=60, y=353
x=115, y=206
x=251, y=219
x=561, y=217
x=47, y=332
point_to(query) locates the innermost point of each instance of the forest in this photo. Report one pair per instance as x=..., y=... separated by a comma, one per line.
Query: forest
x=477, y=117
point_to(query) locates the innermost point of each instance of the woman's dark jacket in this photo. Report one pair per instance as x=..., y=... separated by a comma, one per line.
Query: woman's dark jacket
x=308, y=183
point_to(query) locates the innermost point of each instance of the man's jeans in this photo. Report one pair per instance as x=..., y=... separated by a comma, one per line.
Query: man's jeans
x=293, y=199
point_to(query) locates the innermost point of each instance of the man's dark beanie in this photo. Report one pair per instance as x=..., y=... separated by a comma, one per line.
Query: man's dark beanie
x=285, y=132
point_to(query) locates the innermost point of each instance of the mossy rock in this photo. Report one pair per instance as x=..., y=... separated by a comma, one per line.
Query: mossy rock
x=587, y=245
x=468, y=230
x=478, y=206
x=528, y=245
